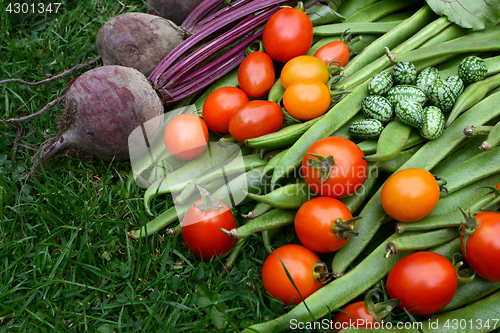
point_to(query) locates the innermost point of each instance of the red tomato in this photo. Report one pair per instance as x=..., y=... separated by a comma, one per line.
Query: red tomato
x=410, y=194
x=314, y=221
x=483, y=247
x=254, y=119
x=498, y=188
x=425, y=282
x=304, y=67
x=287, y=34
x=201, y=231
x=256, y=74
x=348, y=172
x=299, y=261
x=353, y=315
x=306, y=99
x=336, y=50
x=186, y=136
x=220, y=105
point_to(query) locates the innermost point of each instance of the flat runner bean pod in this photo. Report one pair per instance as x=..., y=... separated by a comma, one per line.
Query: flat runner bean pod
x=470, y=292
x=283, y=138
x=159, y=222
x=391, y=39
x=469, y=319
x=425, y=158
x=276, y=218
x=268, y=236
x=286, y=197
x=391, y=141
x=471, y=95
x=338, y=292
x=368, y=146
x=449, y=249
x=461, y=155
x=421, y=241
x=355, y=200
x=492, y=140
x=350, y=7
x=248, y=162
x=276, y=92
x=273, y=162
x=355, y=28
x=378, y=10
x=259, y=209
x=395, y=163
x=188, y=171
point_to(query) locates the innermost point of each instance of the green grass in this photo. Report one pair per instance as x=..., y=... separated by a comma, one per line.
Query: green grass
x=66, y=262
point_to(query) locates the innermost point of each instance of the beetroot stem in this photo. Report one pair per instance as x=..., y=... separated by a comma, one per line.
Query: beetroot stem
x=199, y=13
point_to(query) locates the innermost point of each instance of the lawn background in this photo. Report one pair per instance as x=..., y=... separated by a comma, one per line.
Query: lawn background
x=66, y=262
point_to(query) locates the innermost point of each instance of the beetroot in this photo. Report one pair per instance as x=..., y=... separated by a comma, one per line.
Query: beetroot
x=174, y=10
x=137, y=40
x=102, y=107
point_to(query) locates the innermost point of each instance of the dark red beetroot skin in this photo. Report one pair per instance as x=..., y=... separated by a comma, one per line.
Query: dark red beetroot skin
x=103, y=106
x=174, y=10
x=137, y=40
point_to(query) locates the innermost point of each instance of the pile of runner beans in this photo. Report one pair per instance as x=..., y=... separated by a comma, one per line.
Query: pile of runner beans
x=392, y=115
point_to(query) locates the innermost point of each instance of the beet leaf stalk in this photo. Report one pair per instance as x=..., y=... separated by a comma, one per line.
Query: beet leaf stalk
x=181, y=73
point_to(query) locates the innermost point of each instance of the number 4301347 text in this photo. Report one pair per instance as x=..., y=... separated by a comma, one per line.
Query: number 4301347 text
x=33, y=8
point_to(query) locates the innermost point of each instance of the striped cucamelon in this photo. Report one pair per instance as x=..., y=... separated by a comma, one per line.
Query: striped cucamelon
x=426, y=78
x=410, y=112
x=366, y=129
x=405, y=92
x=433, y=123
x=441, y=95
x=380, y=84
x=456, y=85
x=404, y=72
x=377, y=107
x=472, y=69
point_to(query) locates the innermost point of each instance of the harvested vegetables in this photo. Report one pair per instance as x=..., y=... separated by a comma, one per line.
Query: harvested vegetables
x=277, y=148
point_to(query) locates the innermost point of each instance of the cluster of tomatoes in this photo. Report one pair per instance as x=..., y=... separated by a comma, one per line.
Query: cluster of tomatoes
x=333, y=168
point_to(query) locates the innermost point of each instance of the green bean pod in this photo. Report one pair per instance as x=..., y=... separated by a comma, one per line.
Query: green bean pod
x=276, y=92
x=400, y=16
x=273, y=162
x=493, y=138
x=378, y=10
x=421, y=241
x=233, y=256
x=448, y=250
x=470, y=292
x=471, y=95
x=338, y=292
x=247, y=163
x=355, y=28
x=355, y=200
x=368, y=146
x=426, y=158
x=159, y=222
x=395, y=163
x=276, y=218
x=259, y=209
x=286, y=197
x=283, y=138
x=178, y=179
x=461, y=155
x=391, y=141
x=391, y=39
x=431, y=222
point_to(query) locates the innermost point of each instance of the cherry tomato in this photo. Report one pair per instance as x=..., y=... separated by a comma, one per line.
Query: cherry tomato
x=353, y=315
x=314, y=221
x=348, y=173
x=306, y=99
x=287, y=34
x=304, y=67
x=201, y=231
x=254, y=119
x=256, y=74
x=186, y=136
x=483, y=246
x=498, y=188
x=336, y=50
x=410, y=194
x=299, y=261
x=220, y=105
x=425, y=282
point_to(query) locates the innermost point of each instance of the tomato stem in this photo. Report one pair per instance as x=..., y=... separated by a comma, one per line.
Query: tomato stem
x=207, y=202
x=323, y=164
x=470, y=224
x=379, y=310
x=344, y=229
x=442, y=182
